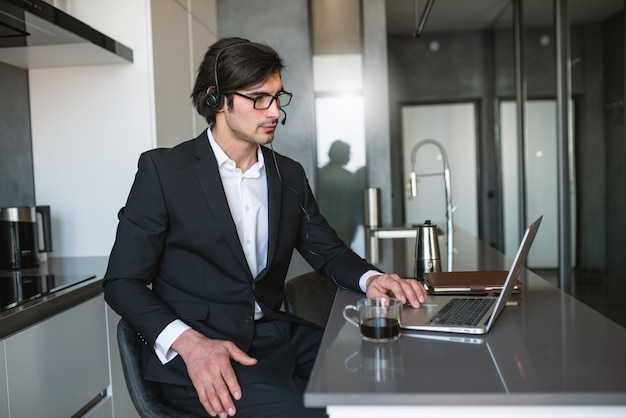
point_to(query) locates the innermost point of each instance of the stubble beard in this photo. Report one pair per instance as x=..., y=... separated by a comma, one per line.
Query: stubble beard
x=258, y=137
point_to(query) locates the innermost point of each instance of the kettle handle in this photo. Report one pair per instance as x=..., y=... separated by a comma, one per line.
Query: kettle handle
x=44, y=211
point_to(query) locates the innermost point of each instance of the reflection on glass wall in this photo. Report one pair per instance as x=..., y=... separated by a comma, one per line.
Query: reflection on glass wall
x=341, y=163
x=476, y=58
x=339, y=116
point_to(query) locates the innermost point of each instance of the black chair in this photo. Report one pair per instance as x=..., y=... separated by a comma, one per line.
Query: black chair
x=310, y=296
x=146, y=395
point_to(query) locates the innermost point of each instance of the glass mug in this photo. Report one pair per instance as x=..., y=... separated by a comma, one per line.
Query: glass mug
x=379, y=318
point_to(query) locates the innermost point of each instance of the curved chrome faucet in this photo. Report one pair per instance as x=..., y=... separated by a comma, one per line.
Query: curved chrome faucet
x=447, y=184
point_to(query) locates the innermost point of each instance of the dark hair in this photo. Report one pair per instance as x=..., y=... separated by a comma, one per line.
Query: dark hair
x=242, y=64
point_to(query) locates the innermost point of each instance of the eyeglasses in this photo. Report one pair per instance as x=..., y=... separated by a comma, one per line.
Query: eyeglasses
x=264, y=101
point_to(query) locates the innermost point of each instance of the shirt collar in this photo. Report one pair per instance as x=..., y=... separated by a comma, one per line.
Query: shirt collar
x=224, y=161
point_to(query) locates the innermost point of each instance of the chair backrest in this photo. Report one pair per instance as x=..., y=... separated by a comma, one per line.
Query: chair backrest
x=310, y=296
x=146, y=395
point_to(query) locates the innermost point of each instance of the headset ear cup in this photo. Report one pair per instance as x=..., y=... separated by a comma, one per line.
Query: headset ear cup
x=213, y=99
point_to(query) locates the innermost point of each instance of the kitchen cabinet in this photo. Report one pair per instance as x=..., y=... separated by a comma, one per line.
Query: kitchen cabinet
x=104, y=409
x=4, y=399
x=38, y=35
x=59, y=366
x=123, y=405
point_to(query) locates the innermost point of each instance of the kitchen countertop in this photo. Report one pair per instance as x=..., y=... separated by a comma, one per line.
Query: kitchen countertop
x=64, y=282
x=549, y=353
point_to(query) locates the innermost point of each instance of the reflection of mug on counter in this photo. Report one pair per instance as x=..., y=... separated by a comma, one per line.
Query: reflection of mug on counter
x=379, y=318
x=376, y=362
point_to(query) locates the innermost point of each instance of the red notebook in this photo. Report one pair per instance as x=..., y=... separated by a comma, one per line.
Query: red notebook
x=467, y=282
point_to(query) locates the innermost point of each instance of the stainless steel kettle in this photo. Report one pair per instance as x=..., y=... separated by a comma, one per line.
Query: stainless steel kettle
x=19, y=236
x=427, y=258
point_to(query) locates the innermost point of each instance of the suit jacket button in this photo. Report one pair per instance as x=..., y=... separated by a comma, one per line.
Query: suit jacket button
x=253, y=286
x=249, y=320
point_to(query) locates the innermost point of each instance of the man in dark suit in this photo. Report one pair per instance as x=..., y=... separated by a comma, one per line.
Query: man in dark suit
x=204, y=243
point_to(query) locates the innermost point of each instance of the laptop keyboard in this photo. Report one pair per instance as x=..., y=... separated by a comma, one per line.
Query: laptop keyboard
x=462, y=311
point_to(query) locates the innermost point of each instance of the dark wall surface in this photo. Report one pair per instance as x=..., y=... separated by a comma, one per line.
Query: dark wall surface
x=613, y=36
x=17, y=185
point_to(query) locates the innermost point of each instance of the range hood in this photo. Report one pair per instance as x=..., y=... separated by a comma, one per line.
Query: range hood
x=35, y=34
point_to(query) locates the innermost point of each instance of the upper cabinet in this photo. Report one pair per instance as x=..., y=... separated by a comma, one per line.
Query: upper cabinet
x=34, y=34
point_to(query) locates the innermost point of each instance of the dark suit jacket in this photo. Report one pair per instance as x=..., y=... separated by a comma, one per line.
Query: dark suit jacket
x=177, y=235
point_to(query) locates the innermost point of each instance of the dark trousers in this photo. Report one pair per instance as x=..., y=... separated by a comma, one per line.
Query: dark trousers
x=274, y=387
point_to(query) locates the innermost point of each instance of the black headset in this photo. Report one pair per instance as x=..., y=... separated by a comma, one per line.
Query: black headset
x=215, y=99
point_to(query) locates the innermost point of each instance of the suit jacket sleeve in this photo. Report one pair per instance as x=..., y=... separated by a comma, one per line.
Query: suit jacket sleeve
x=143, y=225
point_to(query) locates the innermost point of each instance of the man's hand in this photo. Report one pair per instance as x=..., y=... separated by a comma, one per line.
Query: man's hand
x=407, y=290
x=210, y=370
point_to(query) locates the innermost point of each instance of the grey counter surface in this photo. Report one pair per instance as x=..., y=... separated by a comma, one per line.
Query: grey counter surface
x=550, y=349
x=77, y=279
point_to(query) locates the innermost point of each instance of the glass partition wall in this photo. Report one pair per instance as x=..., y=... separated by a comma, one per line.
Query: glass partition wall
x=528, y=128
x=572, y=146
x=547, y=78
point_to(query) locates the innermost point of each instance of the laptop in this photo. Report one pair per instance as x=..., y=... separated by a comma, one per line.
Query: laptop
x=469, y=314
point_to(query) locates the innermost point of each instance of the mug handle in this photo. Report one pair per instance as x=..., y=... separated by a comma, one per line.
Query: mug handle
x=345, y=314
x=44, y=211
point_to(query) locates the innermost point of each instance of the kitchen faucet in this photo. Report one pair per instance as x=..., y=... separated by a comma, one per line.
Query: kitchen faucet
x=412, y=186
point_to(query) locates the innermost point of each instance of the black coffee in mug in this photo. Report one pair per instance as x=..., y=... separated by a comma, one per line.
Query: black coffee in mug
x=380, y=328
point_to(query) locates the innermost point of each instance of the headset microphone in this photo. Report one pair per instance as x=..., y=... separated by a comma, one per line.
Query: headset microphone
x=284, y=117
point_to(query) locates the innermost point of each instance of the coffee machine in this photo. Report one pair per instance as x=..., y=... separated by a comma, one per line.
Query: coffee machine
x=20, y=245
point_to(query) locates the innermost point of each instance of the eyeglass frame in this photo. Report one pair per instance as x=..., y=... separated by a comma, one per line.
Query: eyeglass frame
x=276, y=97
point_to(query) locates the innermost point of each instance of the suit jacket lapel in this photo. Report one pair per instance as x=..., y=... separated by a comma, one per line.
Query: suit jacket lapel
x=274, y=198
x=213, y=190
